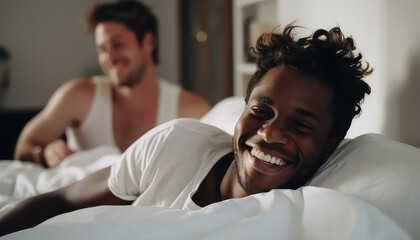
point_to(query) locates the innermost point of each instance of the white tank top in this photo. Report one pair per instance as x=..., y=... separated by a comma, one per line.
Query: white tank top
x=97, y=130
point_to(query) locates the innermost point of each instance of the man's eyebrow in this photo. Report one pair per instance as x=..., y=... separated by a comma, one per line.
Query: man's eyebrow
x=307, y=113
x=265, y=100
x=116, y=37
x=300, y=111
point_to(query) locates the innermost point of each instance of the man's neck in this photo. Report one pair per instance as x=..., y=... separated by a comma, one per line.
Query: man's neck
x=209, y=190
x=229, y=186
x=145, y=91
x=134, y=110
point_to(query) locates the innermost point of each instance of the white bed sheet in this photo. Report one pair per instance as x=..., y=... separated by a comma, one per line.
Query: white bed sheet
x=307, y=213
x=372, y=168
x=20, y=180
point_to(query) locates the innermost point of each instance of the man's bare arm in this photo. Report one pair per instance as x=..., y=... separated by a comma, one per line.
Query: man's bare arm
x=69, y=105
x=90, y=191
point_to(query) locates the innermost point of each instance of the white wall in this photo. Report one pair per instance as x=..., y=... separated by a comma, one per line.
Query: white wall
x=169, y=38
x=386, y=34
x=402, y=70
x=49, y=46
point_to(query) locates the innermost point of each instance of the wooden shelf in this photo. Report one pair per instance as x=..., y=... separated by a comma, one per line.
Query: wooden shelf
x=244, y=11
x=246, y=68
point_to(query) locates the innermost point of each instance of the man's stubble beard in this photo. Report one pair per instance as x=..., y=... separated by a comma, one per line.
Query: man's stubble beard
x=239, y=178
x=242, y=179
x=134, y=77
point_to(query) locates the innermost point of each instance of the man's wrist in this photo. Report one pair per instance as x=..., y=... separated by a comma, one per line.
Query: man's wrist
x=38, y=153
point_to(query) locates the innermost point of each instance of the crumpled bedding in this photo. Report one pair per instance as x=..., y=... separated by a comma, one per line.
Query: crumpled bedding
x=20, y=180
x=364, y=170
x=306, y=213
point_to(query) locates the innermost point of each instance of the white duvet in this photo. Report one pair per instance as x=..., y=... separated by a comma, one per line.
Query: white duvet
x=20, y=180
x=367, y=171
x=307, y=213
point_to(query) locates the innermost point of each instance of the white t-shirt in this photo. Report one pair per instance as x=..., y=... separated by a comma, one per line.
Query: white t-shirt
x=166, y=166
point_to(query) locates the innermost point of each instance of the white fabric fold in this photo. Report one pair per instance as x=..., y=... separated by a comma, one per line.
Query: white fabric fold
x=21, y=180
x=307, y=213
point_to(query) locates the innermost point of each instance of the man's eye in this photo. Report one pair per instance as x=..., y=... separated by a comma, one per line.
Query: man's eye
x=261, y=113
x=117, y=45
x=302, y=127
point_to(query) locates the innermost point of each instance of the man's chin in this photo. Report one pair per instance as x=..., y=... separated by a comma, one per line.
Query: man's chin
x=129, y=83
x=115, y=79
x=122, y=82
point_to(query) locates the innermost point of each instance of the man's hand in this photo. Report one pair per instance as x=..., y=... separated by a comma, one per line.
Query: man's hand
x=55, y=152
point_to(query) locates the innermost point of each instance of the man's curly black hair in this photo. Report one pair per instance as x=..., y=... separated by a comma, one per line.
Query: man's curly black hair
x=328, y=56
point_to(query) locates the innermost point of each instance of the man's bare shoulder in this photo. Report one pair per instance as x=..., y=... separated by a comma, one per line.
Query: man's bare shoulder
x=75, y=96
x=191, y=105
x=83, y=85
x=78, y=89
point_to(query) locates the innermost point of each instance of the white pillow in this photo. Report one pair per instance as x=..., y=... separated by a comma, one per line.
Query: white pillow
x=225, y=113
x=380, y=171
x=371, y=167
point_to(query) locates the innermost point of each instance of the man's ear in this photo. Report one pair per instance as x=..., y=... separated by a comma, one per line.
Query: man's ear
x=149, y=42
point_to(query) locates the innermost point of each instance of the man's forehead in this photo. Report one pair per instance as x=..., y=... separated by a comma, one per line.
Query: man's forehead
x=101, y=39
x=306, y=94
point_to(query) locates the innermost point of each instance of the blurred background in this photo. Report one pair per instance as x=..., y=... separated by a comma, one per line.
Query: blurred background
x=204, y=46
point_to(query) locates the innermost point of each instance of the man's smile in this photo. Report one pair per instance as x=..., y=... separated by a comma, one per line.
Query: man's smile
x=266, y=161
x=267, y=157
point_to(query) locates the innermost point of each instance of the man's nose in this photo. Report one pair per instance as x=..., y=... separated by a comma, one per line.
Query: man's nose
x=108, y=56
x=274, y=132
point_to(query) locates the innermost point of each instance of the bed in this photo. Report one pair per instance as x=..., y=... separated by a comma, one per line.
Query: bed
x=368, y=188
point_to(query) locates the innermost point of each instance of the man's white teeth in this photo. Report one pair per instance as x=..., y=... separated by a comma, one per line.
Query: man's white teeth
x=267, y=157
